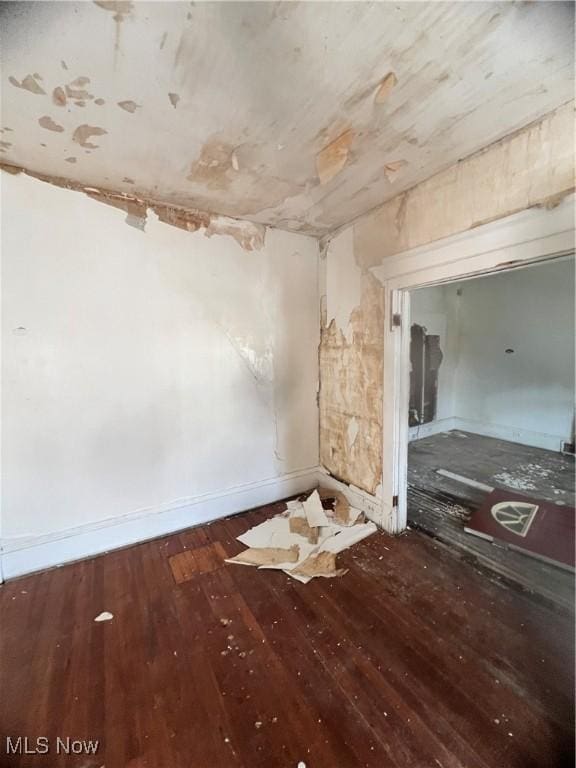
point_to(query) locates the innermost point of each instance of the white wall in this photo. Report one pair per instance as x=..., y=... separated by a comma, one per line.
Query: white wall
x=144, y=370
x=526, y=396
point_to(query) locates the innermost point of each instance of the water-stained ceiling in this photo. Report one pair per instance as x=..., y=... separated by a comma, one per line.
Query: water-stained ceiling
x=297, y=115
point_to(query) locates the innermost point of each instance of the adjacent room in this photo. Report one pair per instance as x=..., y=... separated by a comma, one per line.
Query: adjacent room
x=287, y=330
x=492, y=401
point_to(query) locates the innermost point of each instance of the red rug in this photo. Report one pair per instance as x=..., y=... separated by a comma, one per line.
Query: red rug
x=538, y=528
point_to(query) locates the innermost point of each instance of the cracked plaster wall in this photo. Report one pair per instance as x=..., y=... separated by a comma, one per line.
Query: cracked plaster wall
x=145, y=368
x=533, y=167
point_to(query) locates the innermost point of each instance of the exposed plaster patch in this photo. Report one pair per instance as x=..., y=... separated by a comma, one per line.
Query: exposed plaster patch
x=532, y=167
x=47, y=122
x=385, y=88
x=213, y=166
x=129, y=106
x=28, y=84
x=332, y=159
x=250, y=236
x=181, y=218
x=84, y=132
x=174, y=99
x=350, y=398
x=136, y=210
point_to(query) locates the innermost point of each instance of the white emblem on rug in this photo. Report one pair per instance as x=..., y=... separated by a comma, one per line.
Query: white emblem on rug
x=515, y=516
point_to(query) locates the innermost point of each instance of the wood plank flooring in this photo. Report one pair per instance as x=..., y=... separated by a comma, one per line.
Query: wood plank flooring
x=413, y=659
x=440, y=506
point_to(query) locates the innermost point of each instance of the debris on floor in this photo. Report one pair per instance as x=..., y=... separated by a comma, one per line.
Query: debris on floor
x=104, y=616
x=303, y=541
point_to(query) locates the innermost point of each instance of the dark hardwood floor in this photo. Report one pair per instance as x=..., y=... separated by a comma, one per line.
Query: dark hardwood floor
x=440, y=506
x=413, y=659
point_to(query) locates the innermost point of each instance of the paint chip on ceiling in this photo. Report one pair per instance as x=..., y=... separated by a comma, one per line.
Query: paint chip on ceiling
x=84, y=132
x=59, y=97
x=129, y=106
x=47, y=122
x=118, y=7
x=385, y=88
x=28, y=84
x=332, y=159
x=392, y=169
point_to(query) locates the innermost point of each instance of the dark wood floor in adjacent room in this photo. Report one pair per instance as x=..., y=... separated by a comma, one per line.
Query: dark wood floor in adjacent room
x=441, y=506
x=412, y=659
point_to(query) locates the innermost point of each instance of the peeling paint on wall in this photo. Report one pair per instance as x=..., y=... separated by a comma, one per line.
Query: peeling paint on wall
x=250, y=236
x=528, y=168
x=532, y=167
x=343, y=283
x=350, y=391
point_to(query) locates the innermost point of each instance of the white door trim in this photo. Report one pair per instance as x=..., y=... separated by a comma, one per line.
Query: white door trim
x=533, y=235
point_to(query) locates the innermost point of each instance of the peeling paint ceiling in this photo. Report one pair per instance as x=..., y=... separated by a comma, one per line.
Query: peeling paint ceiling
x=297, y=115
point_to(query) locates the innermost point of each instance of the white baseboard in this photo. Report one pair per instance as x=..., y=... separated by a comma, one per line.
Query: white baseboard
x=432, y=428
x=501, y=431
x=512, y=434
x=20, y=556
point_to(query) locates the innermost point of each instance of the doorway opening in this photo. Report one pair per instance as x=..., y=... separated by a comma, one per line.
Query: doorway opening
x=490, y=459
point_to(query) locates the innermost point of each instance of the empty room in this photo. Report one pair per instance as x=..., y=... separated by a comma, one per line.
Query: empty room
x=287, y=399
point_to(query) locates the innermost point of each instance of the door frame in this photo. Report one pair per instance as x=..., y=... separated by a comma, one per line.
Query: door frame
x=518, y=240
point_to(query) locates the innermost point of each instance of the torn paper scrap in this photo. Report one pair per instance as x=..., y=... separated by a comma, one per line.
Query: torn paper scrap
x=348, y=537
x=314, y=511
x=304, y=551
x=104, y=616
x=319, y=564
x=300, y=526
x=295, y=507
x=271, y=533
x=266, y=556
